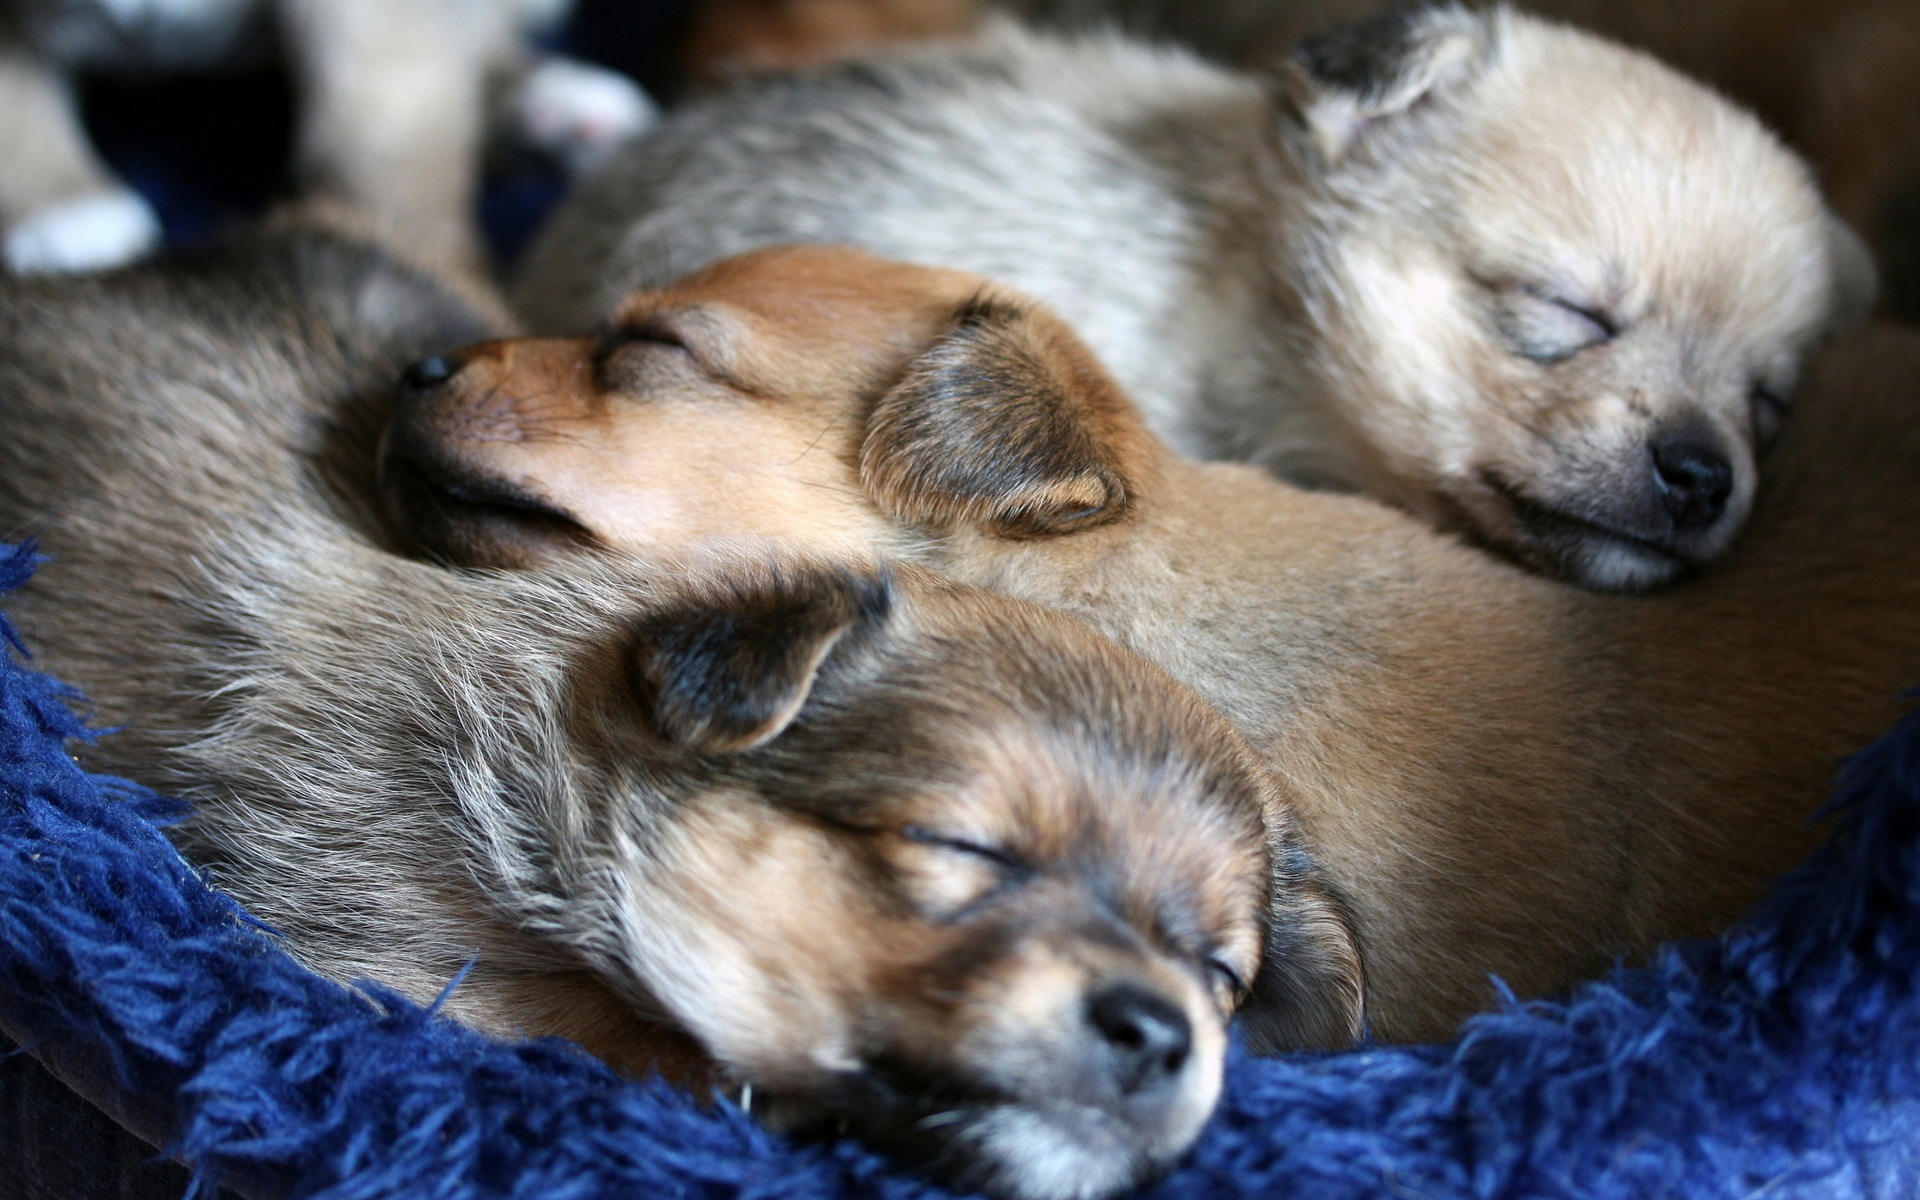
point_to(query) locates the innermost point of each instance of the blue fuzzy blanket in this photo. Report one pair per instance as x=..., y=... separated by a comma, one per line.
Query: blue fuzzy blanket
x=1780, y=1061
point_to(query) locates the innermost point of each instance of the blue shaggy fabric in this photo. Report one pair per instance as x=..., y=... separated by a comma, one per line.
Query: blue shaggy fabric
x=1780, y=1061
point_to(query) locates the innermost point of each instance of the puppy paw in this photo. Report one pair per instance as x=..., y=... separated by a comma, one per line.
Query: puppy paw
x=91, y=233
x=577, y=113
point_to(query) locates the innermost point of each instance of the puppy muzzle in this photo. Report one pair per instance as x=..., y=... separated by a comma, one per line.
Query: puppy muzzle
x=1655, y=513
x=1080, y=1114
x=444, y=507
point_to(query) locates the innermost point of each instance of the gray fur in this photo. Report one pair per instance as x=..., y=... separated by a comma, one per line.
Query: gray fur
x=229, y=608
x=403, y=767
x=1304, y=270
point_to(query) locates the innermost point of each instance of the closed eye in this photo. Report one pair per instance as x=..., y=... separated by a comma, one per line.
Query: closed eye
x=628, y=346
x=1548, y=328
x=1224, y=973
x=963, y=877
x=650, y=332
x=959, y=845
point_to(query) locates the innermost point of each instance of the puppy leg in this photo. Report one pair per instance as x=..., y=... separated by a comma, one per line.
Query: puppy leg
x=60, y=209
x=390, y=114
x=574, y=112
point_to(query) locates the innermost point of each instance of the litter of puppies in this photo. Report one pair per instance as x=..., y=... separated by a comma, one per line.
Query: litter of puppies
x=855, y=682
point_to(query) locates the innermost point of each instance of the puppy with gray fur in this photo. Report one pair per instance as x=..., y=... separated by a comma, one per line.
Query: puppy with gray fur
x=899, y=853
x=1507, y=777
x=1530, y=285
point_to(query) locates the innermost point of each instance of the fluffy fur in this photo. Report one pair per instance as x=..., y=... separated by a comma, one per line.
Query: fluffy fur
x=1525, y=283
x=1506, y=776
x=1779, y=1059
x=890, y=850
x=1839, y=78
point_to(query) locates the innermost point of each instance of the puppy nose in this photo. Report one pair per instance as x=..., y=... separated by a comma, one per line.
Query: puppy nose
x=1148, y=1036
x=1694, y=482
x=429, y=372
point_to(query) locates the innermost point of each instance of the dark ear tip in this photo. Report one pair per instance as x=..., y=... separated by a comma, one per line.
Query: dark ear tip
x=729, y=671
x=1367, y=56
x=1354, y=55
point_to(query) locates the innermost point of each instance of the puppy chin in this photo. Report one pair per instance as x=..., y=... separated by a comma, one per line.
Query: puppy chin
x=1051, y=1152
x=1606, y=563
x=1571, y=547
x=1014, y=1150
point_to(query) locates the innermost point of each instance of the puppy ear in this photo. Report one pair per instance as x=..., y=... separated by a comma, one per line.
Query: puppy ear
x=729, y=671
x=1856, y=281
x=1006, y=423
x=1342, y=82
x=1310, y=993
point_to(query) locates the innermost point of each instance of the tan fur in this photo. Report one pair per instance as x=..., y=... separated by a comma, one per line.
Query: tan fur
x=391, y=119
x=1531, y=285
x=1505, y=775
x=1840, y=79
x=741, y=814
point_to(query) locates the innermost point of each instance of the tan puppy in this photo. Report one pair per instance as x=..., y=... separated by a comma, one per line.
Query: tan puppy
x=1526, y=283
x=1503, y=774
x=894, y=851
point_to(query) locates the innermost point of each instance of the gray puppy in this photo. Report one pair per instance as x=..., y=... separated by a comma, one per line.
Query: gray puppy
x=745, y=817
x=1526, y=283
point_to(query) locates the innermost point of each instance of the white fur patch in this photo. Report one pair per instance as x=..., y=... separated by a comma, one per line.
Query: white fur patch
x=579, y=113
x=1042, y=1156
x=1611, y=566
x=92, y=233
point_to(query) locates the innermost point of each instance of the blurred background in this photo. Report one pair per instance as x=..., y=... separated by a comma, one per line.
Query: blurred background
x=211, y=150
x=1839, y=79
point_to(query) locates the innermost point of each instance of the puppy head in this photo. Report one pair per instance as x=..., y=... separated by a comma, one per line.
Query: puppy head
x=952, y=870
x=1565, y=293
x=814, y=394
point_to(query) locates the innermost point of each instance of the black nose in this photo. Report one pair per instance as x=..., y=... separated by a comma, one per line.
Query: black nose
x=1147, y=1035
x=1694, y=482
x=429, y=372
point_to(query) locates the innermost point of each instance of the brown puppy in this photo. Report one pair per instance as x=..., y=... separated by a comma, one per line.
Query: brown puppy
x=894, y=851
x=1504, y=775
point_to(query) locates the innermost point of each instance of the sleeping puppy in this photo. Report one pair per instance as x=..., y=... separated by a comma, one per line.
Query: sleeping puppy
x=892, y=851
x=1522, y=282
x=1502, y=774
x=392, y=105
x=1840, y=79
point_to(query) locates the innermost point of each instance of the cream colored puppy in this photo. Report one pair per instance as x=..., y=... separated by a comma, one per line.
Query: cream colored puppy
x=1526, y=283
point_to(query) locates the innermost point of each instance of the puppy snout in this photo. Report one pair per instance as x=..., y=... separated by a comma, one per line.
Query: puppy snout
x=1694, y=480
x=430, y=372
x=1148, y=1037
